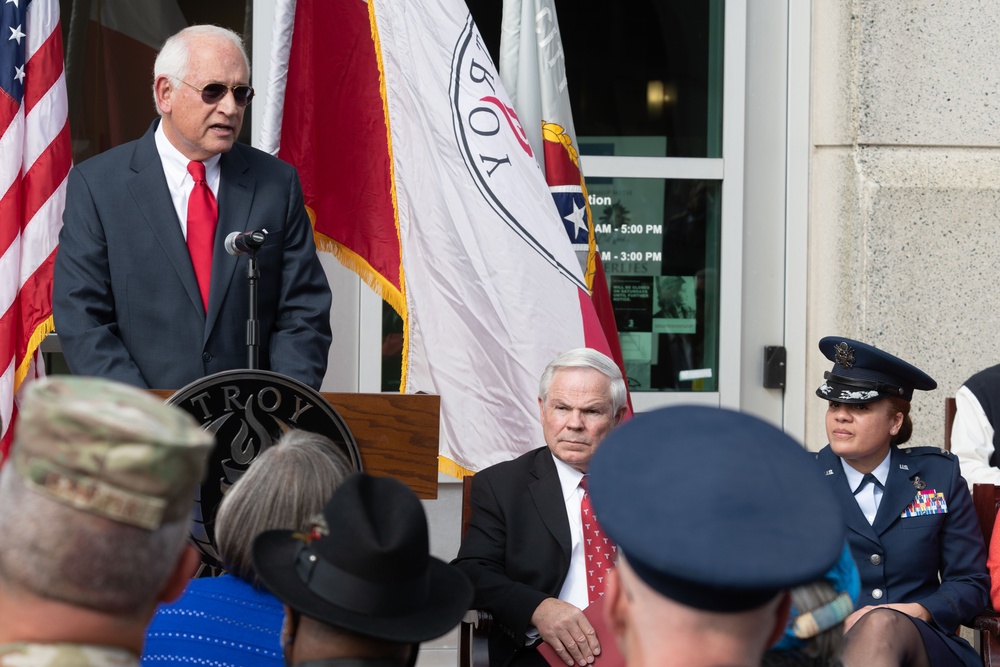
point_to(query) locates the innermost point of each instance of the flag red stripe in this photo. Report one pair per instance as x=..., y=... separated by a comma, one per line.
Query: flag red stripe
x=593, y=331
x=606, y=314
x=43, y=70
x=10, y=211
x=8, y=111
x=559, y=167
x=8, y=436
x=35, y=303
x=48, y=172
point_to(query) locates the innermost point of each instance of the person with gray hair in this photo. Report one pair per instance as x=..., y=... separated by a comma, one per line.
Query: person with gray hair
x=231, y=618
x=95, y=510
x=147, y=285
x=527, y=547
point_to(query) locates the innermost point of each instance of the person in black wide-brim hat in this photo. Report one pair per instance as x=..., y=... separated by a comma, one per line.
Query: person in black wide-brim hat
x=361, y=588
x=911, y=524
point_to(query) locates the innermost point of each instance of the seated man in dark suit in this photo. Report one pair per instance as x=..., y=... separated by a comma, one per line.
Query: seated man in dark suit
x=525, y=546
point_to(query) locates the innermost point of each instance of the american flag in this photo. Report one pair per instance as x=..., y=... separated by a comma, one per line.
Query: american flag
x=35, y=157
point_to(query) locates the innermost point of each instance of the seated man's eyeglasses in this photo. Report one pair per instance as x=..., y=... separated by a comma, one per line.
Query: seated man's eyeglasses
x=214, y=92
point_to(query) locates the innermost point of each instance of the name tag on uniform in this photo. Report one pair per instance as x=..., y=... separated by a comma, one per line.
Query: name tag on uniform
x=926, y=502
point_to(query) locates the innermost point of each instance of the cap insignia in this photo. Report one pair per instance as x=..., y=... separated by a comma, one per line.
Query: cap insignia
x=844, y=355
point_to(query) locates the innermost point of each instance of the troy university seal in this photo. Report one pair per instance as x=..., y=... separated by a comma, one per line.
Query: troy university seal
x=248, y=410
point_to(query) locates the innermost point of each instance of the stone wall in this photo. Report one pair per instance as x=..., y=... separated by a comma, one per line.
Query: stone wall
x=904, y=222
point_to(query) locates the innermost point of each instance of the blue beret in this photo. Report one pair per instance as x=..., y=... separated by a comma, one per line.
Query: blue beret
x=715, y=509
x=804, y=624
x=864, y=374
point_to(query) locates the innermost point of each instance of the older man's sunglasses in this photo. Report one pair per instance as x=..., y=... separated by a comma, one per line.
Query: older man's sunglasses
x=214, y=92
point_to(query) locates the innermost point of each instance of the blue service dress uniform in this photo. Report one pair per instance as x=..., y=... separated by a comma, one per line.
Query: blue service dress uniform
x=913, y=542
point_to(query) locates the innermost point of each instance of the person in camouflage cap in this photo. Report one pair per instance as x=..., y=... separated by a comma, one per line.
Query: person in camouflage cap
x=95, y=508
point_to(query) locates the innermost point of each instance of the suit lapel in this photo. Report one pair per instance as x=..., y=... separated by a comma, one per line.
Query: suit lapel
x=899, y=490
x=547, y=494
x=152, y=198
x=236, y=190
x=854, y=518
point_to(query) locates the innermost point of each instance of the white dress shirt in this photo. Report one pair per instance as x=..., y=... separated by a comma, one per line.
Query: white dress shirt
x=870, y=496
x=574, y=589
x=179, y=181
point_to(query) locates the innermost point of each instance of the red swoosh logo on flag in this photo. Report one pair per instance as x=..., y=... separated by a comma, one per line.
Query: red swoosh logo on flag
x=513, y=121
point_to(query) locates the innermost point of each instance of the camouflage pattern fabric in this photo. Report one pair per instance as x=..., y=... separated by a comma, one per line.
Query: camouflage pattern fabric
x=65, y=655
x=109, y=449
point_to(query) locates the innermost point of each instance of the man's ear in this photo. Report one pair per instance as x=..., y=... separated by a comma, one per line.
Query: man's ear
x=164, y=91
x=615, y=608
x=187, y=565
x=781, y=613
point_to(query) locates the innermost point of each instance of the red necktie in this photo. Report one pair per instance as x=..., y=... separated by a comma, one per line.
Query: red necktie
x=598, y=548
x=203, y=215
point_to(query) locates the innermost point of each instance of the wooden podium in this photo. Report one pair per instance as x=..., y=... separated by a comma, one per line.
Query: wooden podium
x=397, y=434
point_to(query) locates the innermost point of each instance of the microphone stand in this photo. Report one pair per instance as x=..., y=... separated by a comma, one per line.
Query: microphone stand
x=253, y=323
x=248, y=243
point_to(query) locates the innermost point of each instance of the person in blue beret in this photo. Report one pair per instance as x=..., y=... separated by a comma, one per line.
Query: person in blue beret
x=716, y=516
x=910, y=519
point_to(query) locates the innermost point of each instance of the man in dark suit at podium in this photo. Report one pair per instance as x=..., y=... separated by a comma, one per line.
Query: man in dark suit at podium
x=144, y=290
x=524, y=549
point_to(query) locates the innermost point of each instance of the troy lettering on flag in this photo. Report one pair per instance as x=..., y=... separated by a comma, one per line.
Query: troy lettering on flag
x=35, y=144
x=421, y=179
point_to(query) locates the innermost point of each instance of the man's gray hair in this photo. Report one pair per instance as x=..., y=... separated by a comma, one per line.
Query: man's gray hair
x=172, y=60
x=585, y=357
x=55, y=551
x=285, y=486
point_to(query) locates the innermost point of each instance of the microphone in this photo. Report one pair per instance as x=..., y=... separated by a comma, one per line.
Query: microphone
x=245, y=243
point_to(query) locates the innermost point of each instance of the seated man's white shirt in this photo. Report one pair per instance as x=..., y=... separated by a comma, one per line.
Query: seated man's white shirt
x=574, y=589
x=972, y=440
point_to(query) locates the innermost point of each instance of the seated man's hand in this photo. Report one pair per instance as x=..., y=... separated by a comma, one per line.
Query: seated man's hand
x=567, y=631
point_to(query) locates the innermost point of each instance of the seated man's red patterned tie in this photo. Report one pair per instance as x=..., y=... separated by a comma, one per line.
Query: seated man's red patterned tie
x=598, y=548
x=203, y=216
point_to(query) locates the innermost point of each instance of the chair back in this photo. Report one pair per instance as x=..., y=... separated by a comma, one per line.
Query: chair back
x=986, y=498
x=949, y=420
x=474, y=630
x=466, y=502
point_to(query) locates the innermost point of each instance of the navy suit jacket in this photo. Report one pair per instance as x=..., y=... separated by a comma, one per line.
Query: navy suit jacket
x=517, y=545
x=125, y=298
x=903, y=556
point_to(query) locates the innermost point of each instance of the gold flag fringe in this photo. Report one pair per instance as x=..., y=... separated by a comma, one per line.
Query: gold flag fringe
x=449, y=467
x=37, y=336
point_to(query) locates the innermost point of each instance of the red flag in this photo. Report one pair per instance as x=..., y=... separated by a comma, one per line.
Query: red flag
x=331, y=125
x=35, y=144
